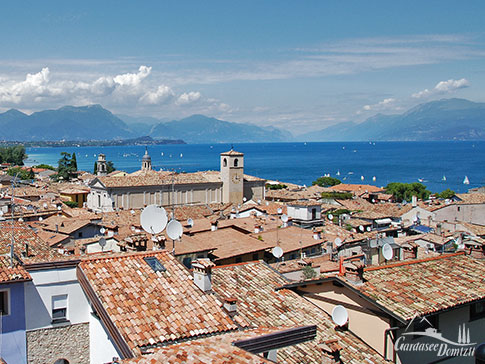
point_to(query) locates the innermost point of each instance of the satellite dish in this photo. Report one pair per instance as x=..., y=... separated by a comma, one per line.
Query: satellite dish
x=40, y=218
x=110, y=234
x=132, y=228
x=21, y=220
x=102, y=230
x=45, y=205
x=245, y=199
x=337, y=242
x=330, y=217
x=267, y=203
x=190, y=222
x=387, y=252
x=132, y=212
x=361, y=228
x=153, y=219
x=1, y=213
x=280, y=210
x=59, y=208
x=174, y=230
x=284, y=218
x=102, y=242
x=368, y=228
x=277, y=252
x=340, y=316
x=259, y=202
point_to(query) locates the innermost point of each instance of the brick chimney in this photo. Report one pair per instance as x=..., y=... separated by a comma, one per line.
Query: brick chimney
x=330, y=351
x=202, y=270
x=354, y=272
x=230, y=305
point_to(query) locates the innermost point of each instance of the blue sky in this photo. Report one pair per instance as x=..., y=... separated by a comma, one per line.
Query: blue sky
x=298, y=65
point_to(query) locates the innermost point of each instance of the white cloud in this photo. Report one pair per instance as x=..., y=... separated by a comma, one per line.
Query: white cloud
x=188, y=97
x=133, y=79
x=382, y=105
x=443, y=87
x=162, y=95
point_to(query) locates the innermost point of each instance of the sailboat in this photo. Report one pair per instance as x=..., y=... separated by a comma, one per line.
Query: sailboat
x=466, y=181
x=338, y=173
x=361, y=178
x=444, y=178
x=374, y=178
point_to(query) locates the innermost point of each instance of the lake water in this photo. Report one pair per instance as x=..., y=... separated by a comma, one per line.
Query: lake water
x=302, y=163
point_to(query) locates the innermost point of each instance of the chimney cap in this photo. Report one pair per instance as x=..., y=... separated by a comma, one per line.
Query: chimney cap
x=230, y=300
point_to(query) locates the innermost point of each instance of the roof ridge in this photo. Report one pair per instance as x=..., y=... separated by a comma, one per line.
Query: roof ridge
x=125, y=255
x=236, y=264
x=415, y=261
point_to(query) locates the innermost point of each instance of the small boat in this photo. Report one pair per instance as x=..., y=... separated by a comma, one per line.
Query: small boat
x=420, y=180
x=361, y=178
x=466, y=181
x=161, y=154
x=444, y=178
x=338, y=173
x=374, y=178
x=181, y=155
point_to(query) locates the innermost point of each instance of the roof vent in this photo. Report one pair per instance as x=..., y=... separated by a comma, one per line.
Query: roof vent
x=155, y=264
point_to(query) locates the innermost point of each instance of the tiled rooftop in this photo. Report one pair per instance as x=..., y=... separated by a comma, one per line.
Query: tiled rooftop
x=11, y=274
x=150, y=308
x=254, y=284
x=424, y=286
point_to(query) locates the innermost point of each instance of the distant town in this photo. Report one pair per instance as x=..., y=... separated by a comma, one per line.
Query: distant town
x=106, y=266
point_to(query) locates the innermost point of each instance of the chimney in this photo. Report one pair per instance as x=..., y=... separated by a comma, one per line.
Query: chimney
x=414, y=201
x=330, y=351
x=230, y=305
x=214, y=225
x=256, y=229
x=202, y=270
x=354, y=272
x=57, y=228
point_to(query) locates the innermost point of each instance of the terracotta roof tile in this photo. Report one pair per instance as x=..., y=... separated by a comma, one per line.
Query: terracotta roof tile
x=149, y=307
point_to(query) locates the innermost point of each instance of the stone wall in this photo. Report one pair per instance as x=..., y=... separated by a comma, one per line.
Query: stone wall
x=67, y=342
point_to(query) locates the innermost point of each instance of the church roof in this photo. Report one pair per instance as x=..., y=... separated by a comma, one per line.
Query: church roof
x=146, y=157
x=232, y=152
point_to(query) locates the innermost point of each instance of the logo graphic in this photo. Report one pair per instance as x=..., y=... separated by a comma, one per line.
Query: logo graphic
x=444, y=347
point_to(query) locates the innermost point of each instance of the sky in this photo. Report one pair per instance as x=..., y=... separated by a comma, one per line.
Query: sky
x=296, y=65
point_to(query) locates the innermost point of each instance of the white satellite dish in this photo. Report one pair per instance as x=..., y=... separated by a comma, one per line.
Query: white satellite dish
x=21, y=220
x=330, y=217
x=40, y=218
x=59, y=208
x=110, y=234
x=133, y=228
x=337, y=242
x=45, y=205
x=277, y=252
x=284, y=218
x=174, y=230
x=190, y=222
x=102, y=242
x=361, y=228
x=132, y=212
x=280, y=210
x=267, y=203
x=1, y=213
x=340, y=316
x=368, y=228
x=245, y=199
x=153, y=219
x=387, y=252
x=102, y=230
x=259, y=202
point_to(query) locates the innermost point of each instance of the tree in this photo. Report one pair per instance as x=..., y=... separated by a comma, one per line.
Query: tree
x=110, y=167
x=446, y=194
x=14, y=155
x=45, y=166
x=95, y=169
x=308, y=272
x=405, y=191
x=326, y=181
x=66, y=168
x=22, y=174
x=73, y=163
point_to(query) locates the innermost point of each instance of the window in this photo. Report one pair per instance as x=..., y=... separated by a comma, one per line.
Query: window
x=59, y=308
x=238, y=260
x=4, y=303
x=236, y=161
x=224, y=162
x=477, y=310
x=61, y=361
x=99, y=200
x=255, y=256
x=155, y=264
x=80, y=235
x=187, y=261
x=314, y=214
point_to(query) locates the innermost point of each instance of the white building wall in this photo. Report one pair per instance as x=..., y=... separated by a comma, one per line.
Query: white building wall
x=101, y=347
x=53, y=282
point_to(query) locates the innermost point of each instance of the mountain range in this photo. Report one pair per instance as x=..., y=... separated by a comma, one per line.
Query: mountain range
x=447, y=119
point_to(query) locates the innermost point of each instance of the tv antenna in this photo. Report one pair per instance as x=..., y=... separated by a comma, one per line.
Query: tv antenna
x=340, y=316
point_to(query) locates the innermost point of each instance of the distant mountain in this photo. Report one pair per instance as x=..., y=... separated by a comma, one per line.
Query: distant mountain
x=203, y=129
x=68, y=122
x=447, y=119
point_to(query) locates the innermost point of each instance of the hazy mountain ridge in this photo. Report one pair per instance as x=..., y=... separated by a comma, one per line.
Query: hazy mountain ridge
x=446, y=119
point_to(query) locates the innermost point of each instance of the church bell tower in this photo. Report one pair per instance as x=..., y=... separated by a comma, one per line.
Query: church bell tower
x=232, y=176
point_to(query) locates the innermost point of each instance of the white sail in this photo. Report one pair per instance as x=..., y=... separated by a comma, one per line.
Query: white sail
x=466, y=181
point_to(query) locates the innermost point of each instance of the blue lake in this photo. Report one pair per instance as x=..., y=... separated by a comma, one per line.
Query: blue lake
x=302, y=163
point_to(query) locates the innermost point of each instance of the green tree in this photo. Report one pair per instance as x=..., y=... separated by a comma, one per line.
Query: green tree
x=14, y=155
x=309, y=272
x=66, y=168
x=110, y=167
x=73, y=163
x=95, y=169
x=326, y=181
x=446, y=194
x=22, y=174
x=405, y=191
x=45, y=166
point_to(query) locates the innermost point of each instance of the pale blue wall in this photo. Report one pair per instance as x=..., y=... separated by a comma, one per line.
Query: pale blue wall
x=13, y=341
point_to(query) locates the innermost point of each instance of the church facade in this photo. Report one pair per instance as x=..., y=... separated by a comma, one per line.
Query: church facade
x=164, y=188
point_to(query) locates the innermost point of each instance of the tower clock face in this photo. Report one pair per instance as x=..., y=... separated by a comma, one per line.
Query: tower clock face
x=236, y=179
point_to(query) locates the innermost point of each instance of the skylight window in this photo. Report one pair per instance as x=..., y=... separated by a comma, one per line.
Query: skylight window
x=155, y=264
